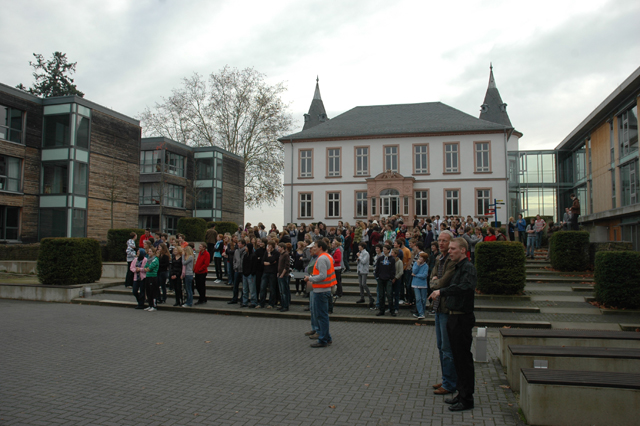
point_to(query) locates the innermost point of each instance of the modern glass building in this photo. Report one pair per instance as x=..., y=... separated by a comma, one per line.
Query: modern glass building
x=597, y=161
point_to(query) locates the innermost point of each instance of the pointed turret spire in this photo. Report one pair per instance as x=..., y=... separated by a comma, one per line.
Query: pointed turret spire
x=317, y=113
x=493, y=109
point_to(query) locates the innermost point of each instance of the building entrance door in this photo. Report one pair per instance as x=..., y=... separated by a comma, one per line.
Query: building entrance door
x=390, y=202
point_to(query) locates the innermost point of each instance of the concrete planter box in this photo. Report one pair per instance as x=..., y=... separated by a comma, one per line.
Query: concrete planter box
x=51, y=293
x=559, y=405
x=28, y=267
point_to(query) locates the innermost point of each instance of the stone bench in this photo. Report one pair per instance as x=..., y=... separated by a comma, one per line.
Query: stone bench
x=618, y=360
x=576, y=398
x=601, y=339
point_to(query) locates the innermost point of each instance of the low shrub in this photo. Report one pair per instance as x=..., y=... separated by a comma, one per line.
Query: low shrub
x=68, y=261
x=501, y=267
x=569, y=250
x=594, y=248
x=19, y=251
x=116, y=248
x=617, y=275
x=193, y=228
x=224, y=227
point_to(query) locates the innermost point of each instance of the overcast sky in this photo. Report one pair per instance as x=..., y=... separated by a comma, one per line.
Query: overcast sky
x=554, y=61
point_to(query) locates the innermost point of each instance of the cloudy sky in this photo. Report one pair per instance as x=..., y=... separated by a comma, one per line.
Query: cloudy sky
x=554, y=61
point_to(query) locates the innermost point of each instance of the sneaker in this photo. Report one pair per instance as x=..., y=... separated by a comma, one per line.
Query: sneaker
x=416, y=316
x=148, y=308
x=432, y=313
x=186, y=306
x=421, y=317
x=401, y=302
x=152, y=309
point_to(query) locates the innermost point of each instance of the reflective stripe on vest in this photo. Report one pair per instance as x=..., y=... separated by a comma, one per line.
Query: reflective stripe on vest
x=330, y=281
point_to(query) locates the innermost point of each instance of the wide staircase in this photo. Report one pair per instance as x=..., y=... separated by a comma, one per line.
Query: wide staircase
x=551, y=300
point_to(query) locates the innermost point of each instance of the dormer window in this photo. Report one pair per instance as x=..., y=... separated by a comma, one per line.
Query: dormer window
x=307, y=117
x=503, y=107
x=484, y=108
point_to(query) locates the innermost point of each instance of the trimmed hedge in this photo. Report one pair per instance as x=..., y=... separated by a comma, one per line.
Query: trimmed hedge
x=501, y=267
x=68, y=261
x=617, y=275
x=595, y=248
x=193, y=228
x=224, y=227
x=570, y=250
x=116, y=249
x=19, y=251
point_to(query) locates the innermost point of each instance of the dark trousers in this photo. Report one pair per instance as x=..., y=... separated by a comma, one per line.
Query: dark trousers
x=162, y=282
x=152, y=291
x=339, y=280
x=129, y=279
x=386, y=291
x=211, y=248
x=237, y=282
x=268, y=280
x=177, y=287
x=410, y=296
x=218, y=262
x=138, y=291
x=459, y=330
x=201, y=280
x=574, y=222
x=522, y=236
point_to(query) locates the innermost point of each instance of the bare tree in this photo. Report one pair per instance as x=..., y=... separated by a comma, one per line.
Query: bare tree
x=235, y=110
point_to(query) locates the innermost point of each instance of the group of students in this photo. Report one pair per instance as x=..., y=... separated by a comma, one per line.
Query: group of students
x=158, y=262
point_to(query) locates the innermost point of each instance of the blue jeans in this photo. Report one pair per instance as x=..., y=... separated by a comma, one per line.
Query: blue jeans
x=449, y=376
x=249, y=290
x=188, y=287
x=378, y=291
x=531, y=242
x=320, y=309
x=421, y=299
x=285, y=291
x=314, y=320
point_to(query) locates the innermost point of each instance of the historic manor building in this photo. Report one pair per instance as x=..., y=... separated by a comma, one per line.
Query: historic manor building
x=409, y=159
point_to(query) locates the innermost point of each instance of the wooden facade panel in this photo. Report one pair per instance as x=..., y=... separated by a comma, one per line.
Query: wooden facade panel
x=115, y=138
x=33, y=110
x=29, y=219
x=600, y=168
x=99, y=217
x=110, y=177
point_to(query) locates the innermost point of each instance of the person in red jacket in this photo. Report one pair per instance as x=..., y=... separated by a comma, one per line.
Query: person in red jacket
x=200, y=270
x=145, y=237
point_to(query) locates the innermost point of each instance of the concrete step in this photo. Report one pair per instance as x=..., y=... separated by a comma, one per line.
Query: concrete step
x=273, y=313
x=352, y=303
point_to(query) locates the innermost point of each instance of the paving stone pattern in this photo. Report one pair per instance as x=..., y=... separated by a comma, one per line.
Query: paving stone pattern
x=92, y=365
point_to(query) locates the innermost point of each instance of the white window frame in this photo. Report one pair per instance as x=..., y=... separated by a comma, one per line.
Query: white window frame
x=333, y=204
x=421, y=159
x=362, y=160
x=306, y=163
x=422, y=200
x=452, y=156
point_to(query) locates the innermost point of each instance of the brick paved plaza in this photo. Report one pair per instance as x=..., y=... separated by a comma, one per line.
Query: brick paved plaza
x=92, y=365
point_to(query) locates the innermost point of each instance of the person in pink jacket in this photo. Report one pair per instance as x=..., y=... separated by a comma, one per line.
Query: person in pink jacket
x=139, y=276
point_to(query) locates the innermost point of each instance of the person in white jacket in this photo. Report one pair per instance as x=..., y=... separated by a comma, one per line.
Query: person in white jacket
x=363, y=272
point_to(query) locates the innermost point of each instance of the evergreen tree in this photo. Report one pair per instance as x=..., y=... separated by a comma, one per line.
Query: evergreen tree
x=51, y=77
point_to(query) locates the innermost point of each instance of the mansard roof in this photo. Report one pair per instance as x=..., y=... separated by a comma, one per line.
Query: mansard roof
x=400, y=120
x=493, y=109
